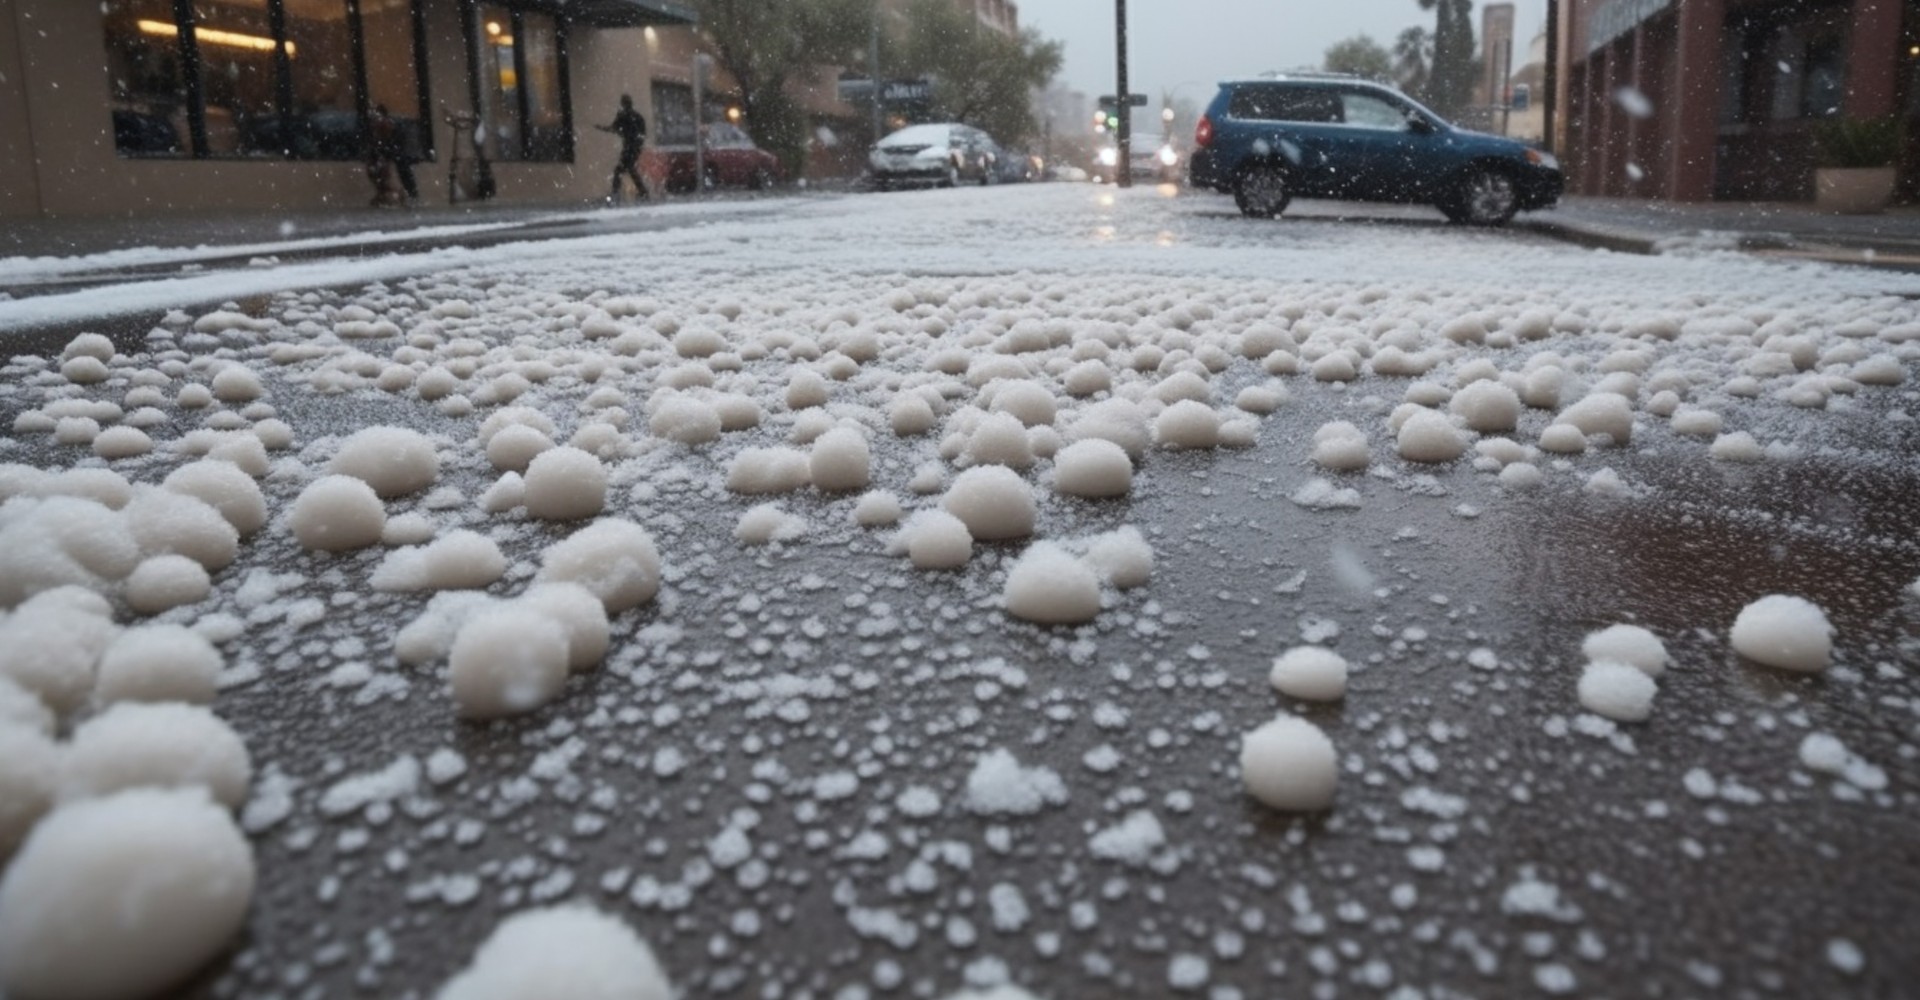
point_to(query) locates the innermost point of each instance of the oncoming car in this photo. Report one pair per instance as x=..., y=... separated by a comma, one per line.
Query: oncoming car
x=1270, y=139
x=1150, y=157
x=946, y=155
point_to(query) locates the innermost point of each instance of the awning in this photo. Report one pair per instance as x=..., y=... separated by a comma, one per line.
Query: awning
x=618, y=13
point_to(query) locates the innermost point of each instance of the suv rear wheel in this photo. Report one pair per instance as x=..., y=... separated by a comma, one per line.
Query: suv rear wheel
x=1484, y=197
x=1261, y=191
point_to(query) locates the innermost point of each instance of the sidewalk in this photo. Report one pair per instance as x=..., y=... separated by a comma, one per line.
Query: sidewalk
x=1773, y=229
x=50, y=256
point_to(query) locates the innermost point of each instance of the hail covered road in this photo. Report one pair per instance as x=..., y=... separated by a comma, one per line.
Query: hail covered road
x=788, y=776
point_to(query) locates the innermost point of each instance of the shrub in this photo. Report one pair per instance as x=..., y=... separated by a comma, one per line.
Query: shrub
x=1858, y=142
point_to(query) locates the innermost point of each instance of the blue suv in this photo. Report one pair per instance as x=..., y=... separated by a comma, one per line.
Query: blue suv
x=1270, y=139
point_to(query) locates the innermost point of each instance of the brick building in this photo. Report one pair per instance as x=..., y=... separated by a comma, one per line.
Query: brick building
x=1694, y=100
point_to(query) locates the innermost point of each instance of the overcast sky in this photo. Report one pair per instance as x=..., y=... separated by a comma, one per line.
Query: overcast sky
x=1186, y=46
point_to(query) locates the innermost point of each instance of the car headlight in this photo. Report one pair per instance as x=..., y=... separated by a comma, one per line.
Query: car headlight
x=1168, y=156
x=1109, y=156
x=1543, y=159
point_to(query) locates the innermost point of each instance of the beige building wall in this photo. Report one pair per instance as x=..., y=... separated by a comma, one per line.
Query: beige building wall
x=19, y=179
x=57, y=153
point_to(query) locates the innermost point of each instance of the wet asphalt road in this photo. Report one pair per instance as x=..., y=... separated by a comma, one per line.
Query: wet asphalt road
x=761, y=671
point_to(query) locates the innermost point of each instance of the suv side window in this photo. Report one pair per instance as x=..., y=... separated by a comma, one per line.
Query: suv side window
x=1371, y=111
x=1281, y=103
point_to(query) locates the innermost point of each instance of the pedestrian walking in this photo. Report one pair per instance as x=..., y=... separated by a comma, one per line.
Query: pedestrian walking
x=387, y=160
x=631, y=127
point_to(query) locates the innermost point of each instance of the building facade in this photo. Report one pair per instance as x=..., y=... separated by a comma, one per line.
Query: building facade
x=144, y=106
x=1693, y=100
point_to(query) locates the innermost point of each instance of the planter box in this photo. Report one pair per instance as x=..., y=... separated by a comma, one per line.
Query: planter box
x=1853, y=190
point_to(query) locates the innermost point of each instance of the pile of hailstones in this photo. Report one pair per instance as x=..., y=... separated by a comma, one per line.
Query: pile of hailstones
x=120, y=839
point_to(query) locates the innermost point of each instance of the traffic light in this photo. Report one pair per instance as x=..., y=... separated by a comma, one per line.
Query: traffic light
x=1108, y=117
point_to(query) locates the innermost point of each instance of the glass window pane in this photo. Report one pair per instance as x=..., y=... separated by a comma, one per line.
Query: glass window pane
x=326, y=122
x=672, y=114
x=1372, y=112
x=546, y=126
x=237, y=75
x=392, y=78
x=1826, y=78
x=146, y=79
x=499, y=82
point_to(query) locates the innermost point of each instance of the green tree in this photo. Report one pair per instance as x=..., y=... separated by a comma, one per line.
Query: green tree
x=1450, y=76
x=765, y=46
x=980, y=76
x=1360, y=56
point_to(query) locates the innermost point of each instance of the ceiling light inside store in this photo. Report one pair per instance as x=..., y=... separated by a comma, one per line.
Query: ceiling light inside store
x=214, y=36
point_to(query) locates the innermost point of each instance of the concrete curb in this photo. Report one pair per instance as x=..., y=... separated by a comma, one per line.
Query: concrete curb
x=1597, y=237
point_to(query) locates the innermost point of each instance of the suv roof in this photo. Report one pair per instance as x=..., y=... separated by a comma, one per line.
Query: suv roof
x=1308, y=76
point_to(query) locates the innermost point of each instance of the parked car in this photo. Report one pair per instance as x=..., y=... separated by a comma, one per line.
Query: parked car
x=946, y=155
x=1271, y=139
x=1150, y=157
x=731, y=160
x=1014, y=166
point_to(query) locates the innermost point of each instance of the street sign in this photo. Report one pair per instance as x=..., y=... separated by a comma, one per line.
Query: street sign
x=1136, y=100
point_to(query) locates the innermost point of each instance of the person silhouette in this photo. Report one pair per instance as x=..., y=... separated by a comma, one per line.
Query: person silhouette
x=631, y=127
x=389, y=153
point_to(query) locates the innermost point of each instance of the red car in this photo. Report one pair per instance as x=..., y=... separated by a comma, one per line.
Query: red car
x=732, y=160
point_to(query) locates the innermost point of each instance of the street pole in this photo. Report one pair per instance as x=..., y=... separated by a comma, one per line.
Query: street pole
x=699, y=114
x=873, y=70
x=1551, y=81
x=1506, y=76
x=1123, y=134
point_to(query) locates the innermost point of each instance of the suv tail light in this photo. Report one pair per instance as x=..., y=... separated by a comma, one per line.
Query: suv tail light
x=1203, y=132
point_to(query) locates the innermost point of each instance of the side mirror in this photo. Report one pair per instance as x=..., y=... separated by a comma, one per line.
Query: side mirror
x=1419, y=124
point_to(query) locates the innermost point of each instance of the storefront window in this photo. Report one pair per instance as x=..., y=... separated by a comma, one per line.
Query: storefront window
x=500, y=81
x=260, y=78
x=548, y=138
x=672, y=114
x=1826, y=83
x=521, y=72
x=146, y=79
x=392, y=81
x=325, y=120
x=238, y=76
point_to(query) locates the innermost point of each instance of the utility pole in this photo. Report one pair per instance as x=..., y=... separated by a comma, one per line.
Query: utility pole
x=1506, y=77
x=873, y=70
x=1550, y=82
x=1123, y=133
x=700, y=63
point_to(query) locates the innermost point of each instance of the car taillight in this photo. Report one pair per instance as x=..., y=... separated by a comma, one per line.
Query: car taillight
x=1203, y=132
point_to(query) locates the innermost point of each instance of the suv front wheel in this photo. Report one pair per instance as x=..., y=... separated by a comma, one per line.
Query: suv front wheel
x=1483, y=197
x=1261, y=191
